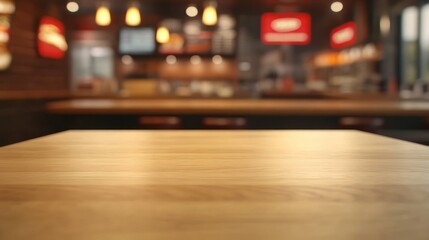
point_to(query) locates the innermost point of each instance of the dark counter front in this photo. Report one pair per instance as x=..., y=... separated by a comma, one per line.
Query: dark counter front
x=406, y=120
x=23, y=115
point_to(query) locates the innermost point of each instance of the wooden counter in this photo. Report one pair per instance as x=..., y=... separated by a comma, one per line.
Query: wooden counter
x=374, y=107
x=33, y=95
x=214, y=185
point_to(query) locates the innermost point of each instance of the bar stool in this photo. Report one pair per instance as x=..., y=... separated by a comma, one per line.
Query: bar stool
x=366, y=124
x=224, y=123
x=160, y=123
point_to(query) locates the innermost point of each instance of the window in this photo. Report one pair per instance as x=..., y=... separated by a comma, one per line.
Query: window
x=424, y=44
x=409, y=46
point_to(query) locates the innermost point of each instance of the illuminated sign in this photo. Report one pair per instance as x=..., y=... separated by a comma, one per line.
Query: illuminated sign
x=286, y=28
x=51, y=38
x=344, y=36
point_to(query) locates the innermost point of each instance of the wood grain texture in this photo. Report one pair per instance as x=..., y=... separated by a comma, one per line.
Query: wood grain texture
x=373, y=107
x=214, y=185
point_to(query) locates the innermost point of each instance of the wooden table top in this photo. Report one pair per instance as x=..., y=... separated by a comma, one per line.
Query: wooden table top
x=214, y=185
x=371, y=107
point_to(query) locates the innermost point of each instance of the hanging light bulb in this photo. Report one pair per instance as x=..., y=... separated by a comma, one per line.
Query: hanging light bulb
x=102, y=17
x=162, y=35
x=72, y=6
x=192, y=11
x=210, y=14
x=133, y=17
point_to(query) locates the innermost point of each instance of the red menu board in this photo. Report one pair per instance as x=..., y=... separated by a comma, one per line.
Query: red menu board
x=286, y=28
x=51, y=39
x=344, y=35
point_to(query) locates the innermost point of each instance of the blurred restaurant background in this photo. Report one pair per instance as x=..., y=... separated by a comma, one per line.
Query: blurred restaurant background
x=225, y=64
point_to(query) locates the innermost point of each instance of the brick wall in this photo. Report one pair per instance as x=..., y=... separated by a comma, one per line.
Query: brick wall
x=28, y=70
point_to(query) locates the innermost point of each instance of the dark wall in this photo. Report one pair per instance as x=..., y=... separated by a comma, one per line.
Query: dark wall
x=22, y=116
x=26, y=119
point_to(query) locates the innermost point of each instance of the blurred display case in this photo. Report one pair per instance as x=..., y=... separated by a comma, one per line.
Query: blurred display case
x=356, y=69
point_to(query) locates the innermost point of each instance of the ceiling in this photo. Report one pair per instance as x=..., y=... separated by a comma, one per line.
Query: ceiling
x=228, y=5
x=156, y=10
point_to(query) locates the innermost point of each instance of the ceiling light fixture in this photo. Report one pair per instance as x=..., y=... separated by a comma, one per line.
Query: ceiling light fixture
x=192, y=11
x=102, y=17
x=72, y=6
x=210, y=14
x=162, y=35
x=133, y=16
x=337, y=7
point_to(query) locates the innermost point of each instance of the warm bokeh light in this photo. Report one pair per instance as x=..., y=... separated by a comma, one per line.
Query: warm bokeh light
x=7, y=7
x=245, y=66
x=217, y=59
x=385, y=24
x=102, y=17
x=133, y=17
x=337, y=6
x=127, y=60
x=195, y=60
x=162, y=35
x=171, y=59
x=72, y=7
x=5, y=60
x=192, y=11
x=210, y=16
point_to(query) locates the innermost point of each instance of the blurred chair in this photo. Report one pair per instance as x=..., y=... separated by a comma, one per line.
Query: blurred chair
x=225, y=123
x=160, y=123
x=366, y=124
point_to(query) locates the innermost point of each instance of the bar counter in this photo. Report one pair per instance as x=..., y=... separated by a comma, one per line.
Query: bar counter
x=214, y=185
x=325, y=107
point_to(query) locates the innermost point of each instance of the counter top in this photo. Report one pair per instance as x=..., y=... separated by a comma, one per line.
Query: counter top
x=214, y=185
x=331, y=107
x=7, y=95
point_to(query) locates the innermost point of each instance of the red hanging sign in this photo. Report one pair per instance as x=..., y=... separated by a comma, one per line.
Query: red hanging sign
x=51, y=38
x=286, y=28
x=344, y=35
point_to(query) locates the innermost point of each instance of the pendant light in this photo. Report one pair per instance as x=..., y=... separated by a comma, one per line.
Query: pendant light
x=133, y=16
x=102, y=17
x=210, y=14
x=162, y=35
x=72, y=6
